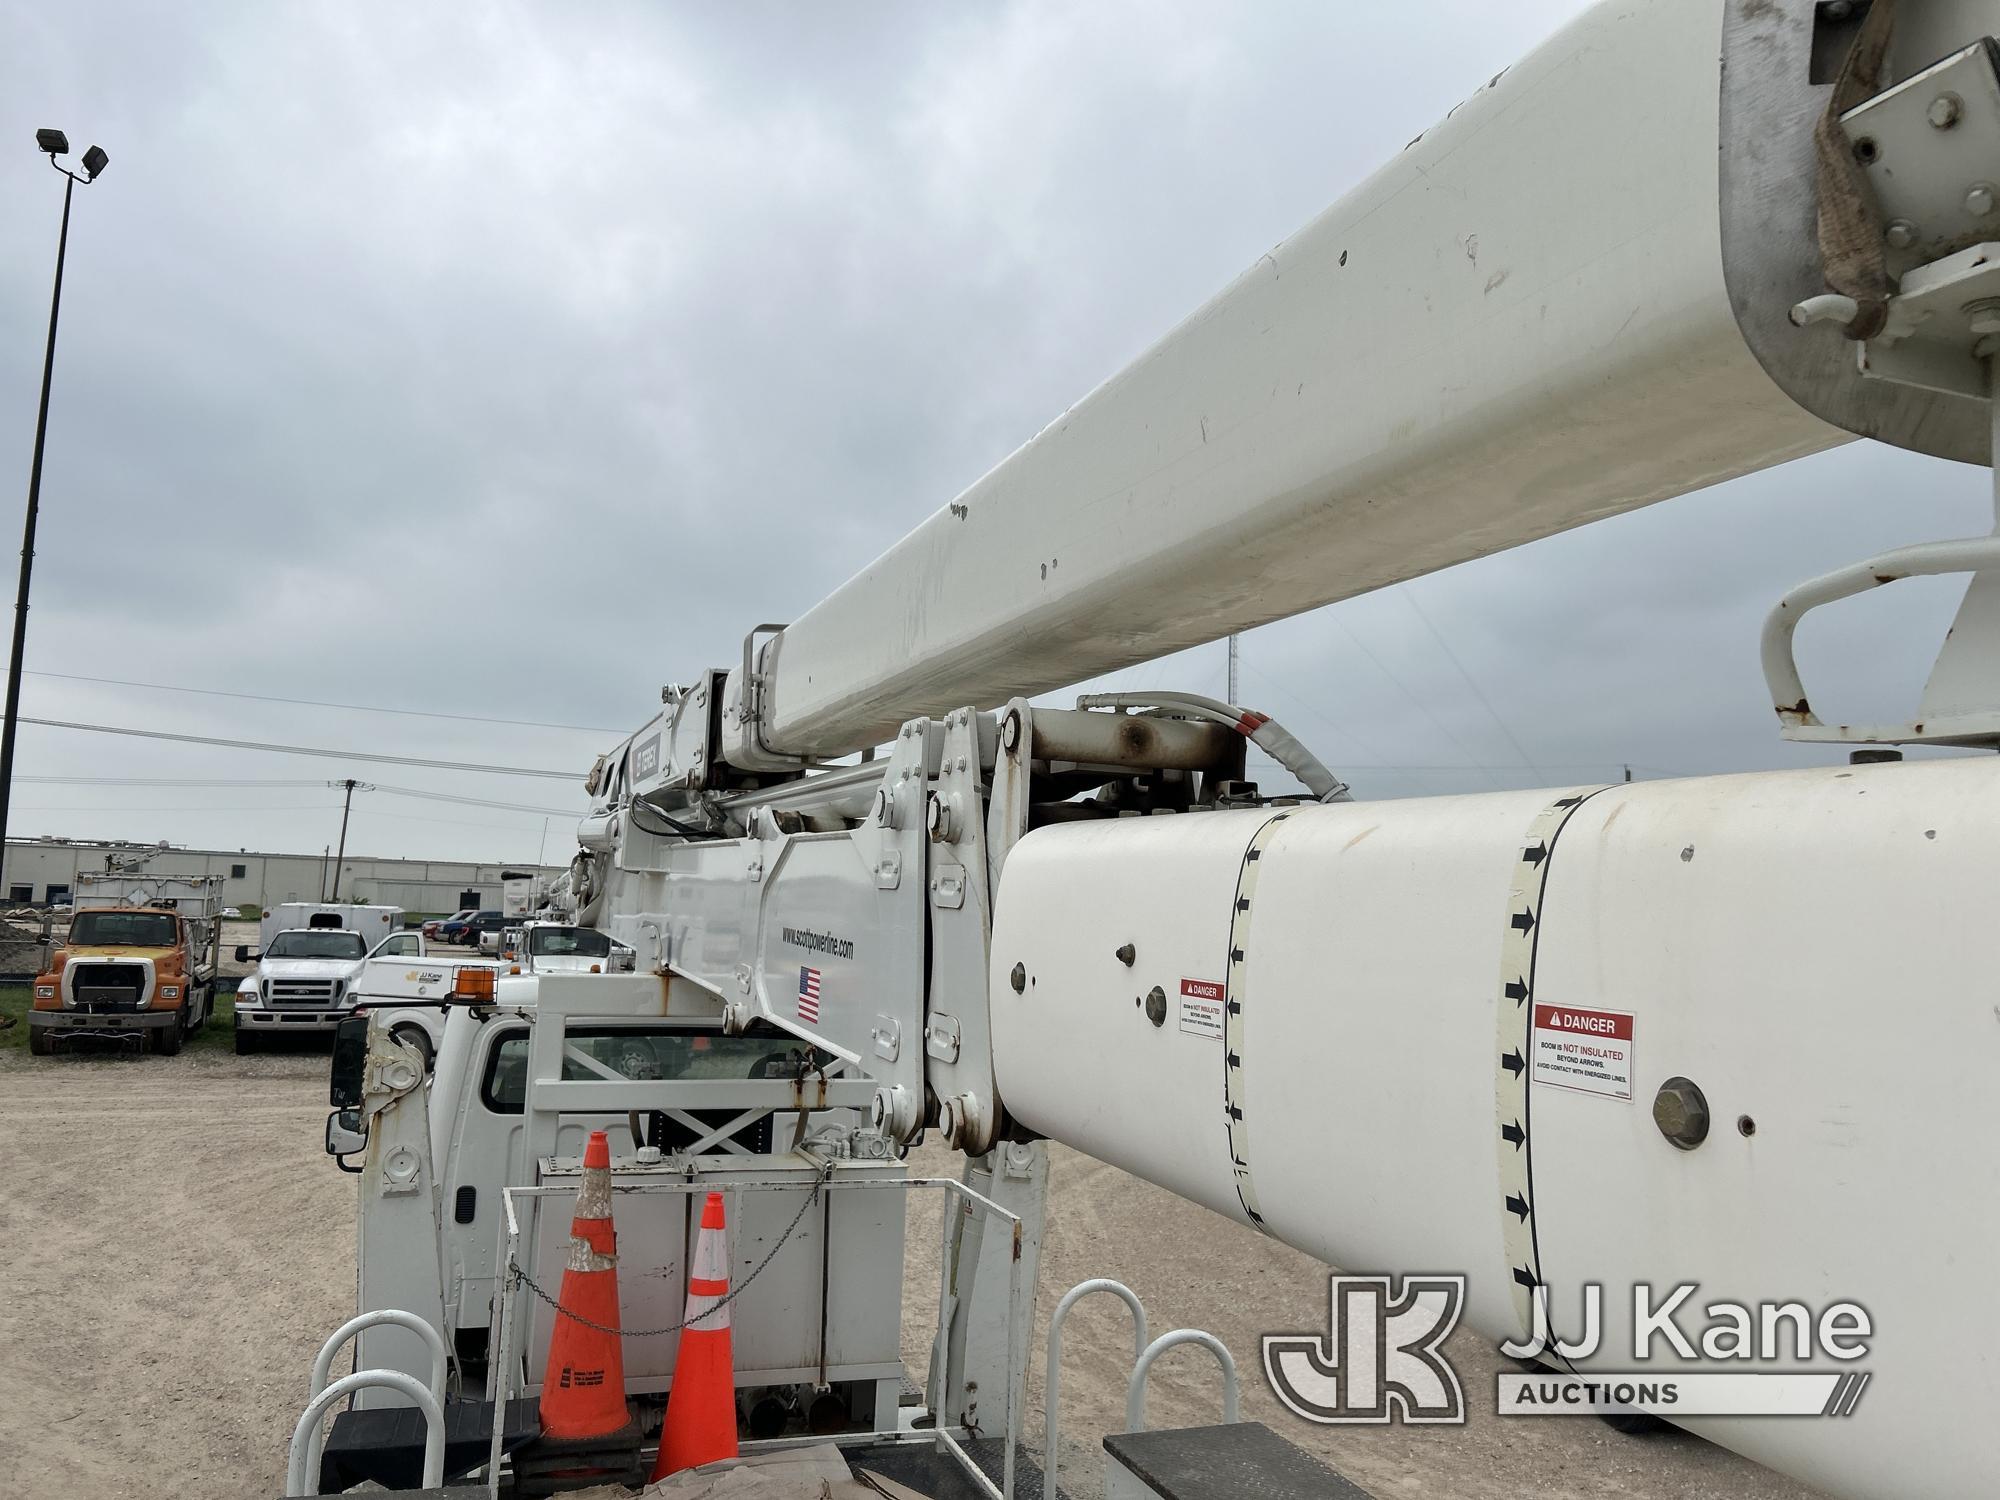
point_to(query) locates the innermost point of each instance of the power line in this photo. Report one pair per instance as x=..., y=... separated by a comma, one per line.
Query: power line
x=229, y=781
x=410, y=791
x=403, y=817
x=365, y=708
x=99, y=808
x=1401, y=687
x=388, y=760
x=1437, y=635
x=259, y=783
x=242, y=783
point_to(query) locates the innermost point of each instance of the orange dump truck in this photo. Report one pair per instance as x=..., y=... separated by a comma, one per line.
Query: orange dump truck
x=137, y=967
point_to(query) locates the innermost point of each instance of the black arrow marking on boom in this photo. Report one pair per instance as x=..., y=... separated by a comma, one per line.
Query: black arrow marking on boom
x=1525, y=1277
x=1513, y=1062
x=1535, y=855
x=1513, y=1135
x=1522, y=921
x=1518, y=1206
x=1516, y=990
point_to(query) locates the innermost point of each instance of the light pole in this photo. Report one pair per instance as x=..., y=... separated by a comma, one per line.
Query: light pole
x=94, y=161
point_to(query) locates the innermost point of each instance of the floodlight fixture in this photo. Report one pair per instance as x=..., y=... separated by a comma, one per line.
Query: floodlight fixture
x=95, y=161
x=52, y=141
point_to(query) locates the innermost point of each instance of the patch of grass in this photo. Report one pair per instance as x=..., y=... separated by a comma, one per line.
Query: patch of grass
x=16, y=999
x=216, y=1033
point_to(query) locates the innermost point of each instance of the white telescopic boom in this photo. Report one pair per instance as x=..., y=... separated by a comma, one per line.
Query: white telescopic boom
x=1557, y=305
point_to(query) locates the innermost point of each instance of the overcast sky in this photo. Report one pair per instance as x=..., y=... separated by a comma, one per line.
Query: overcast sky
x=510, y=361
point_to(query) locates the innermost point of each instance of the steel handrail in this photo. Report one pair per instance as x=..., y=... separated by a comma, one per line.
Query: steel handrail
x=308, y=1442
x=1052, y=1378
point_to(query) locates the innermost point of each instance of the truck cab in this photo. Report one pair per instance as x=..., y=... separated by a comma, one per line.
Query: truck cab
x=521, y=1078
x=564, y=948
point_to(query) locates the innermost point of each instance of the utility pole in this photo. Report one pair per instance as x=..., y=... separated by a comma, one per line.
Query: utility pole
x=325, y=854
x=56, y=144
x=350, y=786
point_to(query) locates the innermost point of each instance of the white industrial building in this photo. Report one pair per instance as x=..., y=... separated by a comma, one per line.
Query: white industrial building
x=45, y=870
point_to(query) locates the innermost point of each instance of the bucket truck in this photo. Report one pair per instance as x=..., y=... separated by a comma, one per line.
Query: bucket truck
x=1732, y=1030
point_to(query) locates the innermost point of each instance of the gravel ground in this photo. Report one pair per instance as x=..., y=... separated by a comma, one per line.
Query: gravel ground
x=176, y=1246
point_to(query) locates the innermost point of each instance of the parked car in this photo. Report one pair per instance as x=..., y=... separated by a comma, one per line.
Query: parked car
x=430, y=928
x=462, y=930
x=231, y=914
x=486, y=930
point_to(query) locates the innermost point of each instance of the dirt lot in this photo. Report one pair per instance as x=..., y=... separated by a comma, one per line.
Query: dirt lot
x=175, y=1248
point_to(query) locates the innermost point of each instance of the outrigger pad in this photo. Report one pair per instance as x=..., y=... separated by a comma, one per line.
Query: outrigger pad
x=386, y=1444
x=1234, y=1461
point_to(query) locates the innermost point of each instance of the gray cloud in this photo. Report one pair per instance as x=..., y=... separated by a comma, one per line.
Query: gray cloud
x=526, y=355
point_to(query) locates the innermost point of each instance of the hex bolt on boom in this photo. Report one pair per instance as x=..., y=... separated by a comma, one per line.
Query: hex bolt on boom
x=1680, y=1109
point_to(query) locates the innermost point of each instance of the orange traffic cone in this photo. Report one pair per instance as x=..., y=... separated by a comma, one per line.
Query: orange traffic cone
x=701, y=1408
x=583, y=1388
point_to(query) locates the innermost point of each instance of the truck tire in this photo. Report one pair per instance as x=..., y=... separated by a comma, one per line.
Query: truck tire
x=39, y=1044
x=246, y=1042
x=167, y=1039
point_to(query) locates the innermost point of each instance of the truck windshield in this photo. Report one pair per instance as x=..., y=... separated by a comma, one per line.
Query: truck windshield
x=567, y=942
x=125, y=929
x=323, y=944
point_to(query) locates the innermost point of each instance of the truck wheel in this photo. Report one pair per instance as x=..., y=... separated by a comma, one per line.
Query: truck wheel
x=167, y=1039
x=419, y=1039
x=39, y=1044
x=246, y=1042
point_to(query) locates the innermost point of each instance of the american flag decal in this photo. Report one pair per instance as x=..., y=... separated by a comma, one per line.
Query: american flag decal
x=809, y=995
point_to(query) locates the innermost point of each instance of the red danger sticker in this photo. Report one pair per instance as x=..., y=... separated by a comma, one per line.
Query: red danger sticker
x=1201, y=1008
x=1581, y=1048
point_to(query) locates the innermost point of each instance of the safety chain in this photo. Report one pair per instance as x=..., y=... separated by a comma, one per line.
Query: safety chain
x=518, y=1277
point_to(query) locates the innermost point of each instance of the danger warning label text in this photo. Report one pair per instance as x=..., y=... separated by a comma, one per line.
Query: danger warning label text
x=1201, y=1007
x=1586, y=1050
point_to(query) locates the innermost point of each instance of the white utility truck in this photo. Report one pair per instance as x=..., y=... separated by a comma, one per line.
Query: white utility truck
x=1735, y=1030
x=308, y=959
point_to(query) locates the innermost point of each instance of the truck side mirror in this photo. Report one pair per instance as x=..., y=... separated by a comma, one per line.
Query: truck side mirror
x=245, y=956
x=350, y=1062
x=345, y=1135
